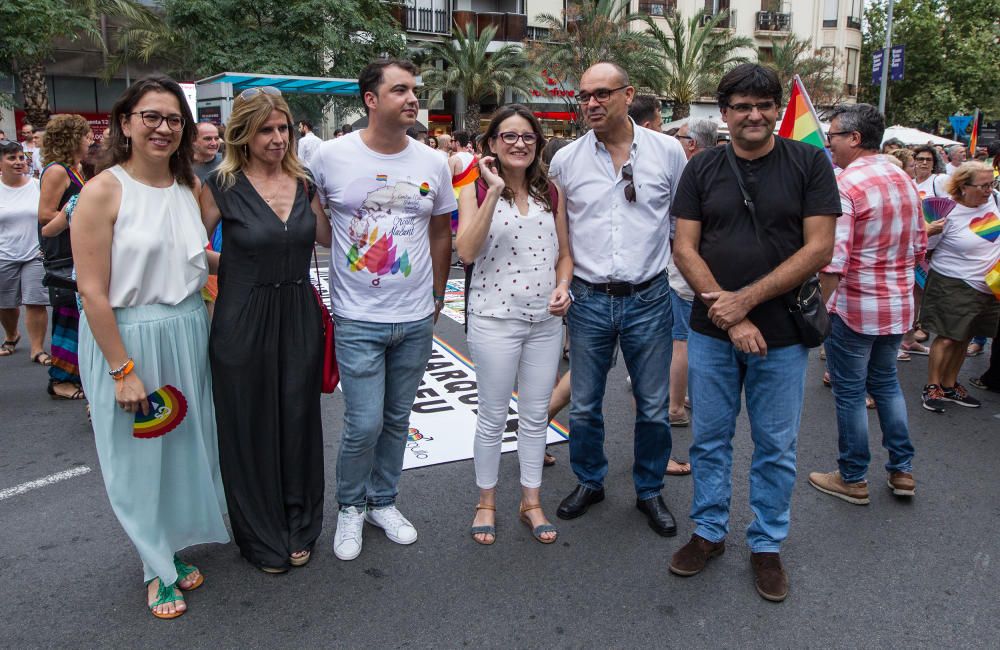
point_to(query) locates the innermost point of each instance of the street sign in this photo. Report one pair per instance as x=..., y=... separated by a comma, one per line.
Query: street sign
x=896, y=61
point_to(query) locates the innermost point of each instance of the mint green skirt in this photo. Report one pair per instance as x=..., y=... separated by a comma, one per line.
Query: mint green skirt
x=166, y=491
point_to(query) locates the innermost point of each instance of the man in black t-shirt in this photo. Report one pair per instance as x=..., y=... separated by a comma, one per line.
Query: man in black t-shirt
x=742, y=334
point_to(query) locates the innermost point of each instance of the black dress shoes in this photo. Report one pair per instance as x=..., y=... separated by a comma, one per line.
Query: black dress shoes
x=578, y=501
x=658, y=514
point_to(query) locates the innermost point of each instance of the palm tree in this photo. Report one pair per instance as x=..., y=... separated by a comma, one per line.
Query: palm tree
x=793, y=57
x=595, y=31
x=478, y=74
x=28, y=40
x=697, y=55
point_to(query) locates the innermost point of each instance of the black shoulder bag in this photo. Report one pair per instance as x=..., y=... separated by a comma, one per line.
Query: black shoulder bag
x=805, y=304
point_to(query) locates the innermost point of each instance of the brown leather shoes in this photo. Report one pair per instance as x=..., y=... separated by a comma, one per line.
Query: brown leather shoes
x=693, y=556
x=769, y=576
x=833, y=484
x=902, y=484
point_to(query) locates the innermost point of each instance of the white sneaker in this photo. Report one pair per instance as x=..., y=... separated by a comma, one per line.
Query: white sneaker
x=395, y=525
x=347, y=540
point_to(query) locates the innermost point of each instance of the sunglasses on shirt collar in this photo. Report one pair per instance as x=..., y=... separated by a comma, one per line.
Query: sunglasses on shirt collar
x=630, y=188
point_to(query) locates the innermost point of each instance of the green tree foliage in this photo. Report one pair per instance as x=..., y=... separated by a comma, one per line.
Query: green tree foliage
x=30, y=30
x=325, y=38
x=793, y=56
x=952, y=59
x=697, y=55
x=597, y=31
x=476, y=73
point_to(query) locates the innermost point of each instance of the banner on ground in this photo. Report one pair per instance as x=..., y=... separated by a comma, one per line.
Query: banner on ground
x=443, y=419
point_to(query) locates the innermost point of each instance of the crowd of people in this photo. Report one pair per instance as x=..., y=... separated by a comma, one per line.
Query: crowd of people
x=710, y=269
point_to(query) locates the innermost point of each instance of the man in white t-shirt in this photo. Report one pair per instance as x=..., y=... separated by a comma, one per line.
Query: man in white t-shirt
x=390, y=201
x=308, y=142
x=31, y=152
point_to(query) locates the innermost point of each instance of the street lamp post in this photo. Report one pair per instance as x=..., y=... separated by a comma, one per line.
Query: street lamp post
x=886, y=53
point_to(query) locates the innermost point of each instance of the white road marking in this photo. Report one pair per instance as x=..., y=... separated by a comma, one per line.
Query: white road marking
x=42, y=482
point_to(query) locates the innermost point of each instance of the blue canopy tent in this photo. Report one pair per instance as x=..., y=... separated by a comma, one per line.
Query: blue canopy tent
x=215, y=94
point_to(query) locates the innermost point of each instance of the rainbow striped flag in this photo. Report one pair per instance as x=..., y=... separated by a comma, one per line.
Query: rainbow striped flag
x=974, y=136
x=466, y=177
x=800, y=121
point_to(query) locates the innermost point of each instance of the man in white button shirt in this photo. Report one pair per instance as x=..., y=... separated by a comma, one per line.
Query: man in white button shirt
x=308, y=142
x=617, y=183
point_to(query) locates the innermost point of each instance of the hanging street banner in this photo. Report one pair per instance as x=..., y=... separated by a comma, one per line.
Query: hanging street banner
x=443, y=419
x=896, y=64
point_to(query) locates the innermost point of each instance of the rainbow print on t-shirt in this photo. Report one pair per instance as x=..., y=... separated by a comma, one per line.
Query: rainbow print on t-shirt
x=986, y=226
x=380, y=258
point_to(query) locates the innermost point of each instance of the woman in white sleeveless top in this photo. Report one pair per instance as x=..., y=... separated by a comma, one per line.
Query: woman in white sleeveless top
x=512, y=228
x=139, y=248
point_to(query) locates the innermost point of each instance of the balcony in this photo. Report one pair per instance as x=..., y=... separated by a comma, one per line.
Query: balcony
x=422, y=17
x=854, y=22
x=772, y=23
x=661, y=8
x=510, y=27
x=729, y=22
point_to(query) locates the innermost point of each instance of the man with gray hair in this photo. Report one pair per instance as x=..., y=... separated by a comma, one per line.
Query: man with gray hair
x=697, y=135
x=956, y=156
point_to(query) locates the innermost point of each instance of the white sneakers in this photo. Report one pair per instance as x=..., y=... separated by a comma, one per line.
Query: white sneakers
x=347, y=541
x=350, y=522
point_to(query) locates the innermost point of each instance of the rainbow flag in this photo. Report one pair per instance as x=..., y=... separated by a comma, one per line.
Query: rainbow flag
x=993, y=280
x=974, y=136
x=466, y=177
x=800, y=121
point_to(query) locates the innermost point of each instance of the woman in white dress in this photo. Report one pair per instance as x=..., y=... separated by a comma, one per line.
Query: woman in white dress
x=139, y=248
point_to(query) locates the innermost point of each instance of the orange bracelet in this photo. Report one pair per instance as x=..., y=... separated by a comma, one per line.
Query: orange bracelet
x=120, y=373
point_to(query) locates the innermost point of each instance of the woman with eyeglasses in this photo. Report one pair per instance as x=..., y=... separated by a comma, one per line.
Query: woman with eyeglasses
x=513, y=229
x=958, y=303
x=140, y=257
x=67, y=140
x=267, y=335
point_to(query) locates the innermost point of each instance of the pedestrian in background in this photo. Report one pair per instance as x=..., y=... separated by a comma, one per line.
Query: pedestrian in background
x=880, y=238
x=512, y=230
x=140, y=262
x=67, y=142
x=21, y=267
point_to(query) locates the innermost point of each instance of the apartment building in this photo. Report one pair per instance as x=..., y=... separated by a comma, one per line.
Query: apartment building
x=833, y=26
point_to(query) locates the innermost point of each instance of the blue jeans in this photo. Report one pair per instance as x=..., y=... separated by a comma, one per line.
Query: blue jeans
x=682, y=316
x=860, y=363
x=641, y=325
x=717, y=373
x=381, y=365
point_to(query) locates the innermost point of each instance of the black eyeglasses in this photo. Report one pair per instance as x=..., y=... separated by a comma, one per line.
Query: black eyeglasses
x=630, y=188
x=683, y=137
x=509, y=137
x=763, y=107
x=601, y=94
x=923, y=160
x=984, y=187
x=830, y=134
x=153, y=120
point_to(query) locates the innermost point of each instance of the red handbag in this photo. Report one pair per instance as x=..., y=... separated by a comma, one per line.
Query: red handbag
x=331, y=372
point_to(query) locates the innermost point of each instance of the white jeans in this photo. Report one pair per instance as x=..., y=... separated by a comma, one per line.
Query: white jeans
x=504, y=349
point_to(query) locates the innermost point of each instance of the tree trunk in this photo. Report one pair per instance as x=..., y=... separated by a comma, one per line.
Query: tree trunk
x=36, y=94
x=472, y=117
x=681, y=111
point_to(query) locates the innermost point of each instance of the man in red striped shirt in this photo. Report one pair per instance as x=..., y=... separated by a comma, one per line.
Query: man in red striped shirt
x=869, y=290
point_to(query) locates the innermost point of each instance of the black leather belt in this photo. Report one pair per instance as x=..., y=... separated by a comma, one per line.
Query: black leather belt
x=619, y=289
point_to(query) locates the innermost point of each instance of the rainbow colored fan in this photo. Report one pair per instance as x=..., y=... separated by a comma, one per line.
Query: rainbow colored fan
x=937, y=207
x=167, y=408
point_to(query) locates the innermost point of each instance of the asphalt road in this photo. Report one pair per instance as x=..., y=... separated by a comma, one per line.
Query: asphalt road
x=892, y=574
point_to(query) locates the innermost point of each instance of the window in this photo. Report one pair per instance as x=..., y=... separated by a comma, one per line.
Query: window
x=831, y=9
x=829, y=53
x=765, y=54
x=854, y=15
x=851, y=70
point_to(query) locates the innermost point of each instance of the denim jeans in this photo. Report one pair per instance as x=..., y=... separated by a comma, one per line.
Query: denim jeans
x=717, y=374
x=381, y=365
x=640, y=324
x=860, y=363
